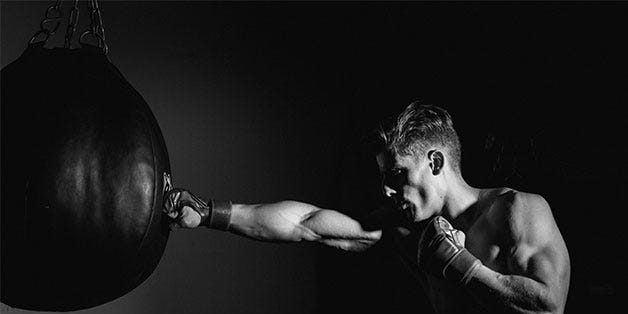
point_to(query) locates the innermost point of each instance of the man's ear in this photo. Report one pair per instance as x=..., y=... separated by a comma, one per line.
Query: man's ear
x=437, y=161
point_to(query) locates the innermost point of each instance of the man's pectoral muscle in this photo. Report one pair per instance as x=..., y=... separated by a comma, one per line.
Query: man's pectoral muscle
x=291, y=221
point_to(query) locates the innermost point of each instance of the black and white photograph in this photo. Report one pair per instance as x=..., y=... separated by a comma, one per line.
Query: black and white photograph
x=313, y=157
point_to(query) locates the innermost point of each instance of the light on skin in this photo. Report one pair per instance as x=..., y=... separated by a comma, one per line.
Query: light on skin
x=538, y=279
x=533, y=279
x=424, y=186
x=188, y=218
x=291, y=221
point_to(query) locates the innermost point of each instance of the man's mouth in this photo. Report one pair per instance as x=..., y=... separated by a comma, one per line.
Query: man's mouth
x=407, y=209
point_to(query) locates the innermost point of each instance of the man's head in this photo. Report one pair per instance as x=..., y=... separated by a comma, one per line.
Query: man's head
x=421, y=152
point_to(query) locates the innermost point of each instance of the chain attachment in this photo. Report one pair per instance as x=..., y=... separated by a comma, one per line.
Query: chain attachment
x=72, y=21
x=53, y=14
x=96, y=29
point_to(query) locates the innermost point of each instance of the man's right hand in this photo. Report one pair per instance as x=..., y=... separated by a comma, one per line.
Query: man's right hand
x=442, y=252
x=185, y=209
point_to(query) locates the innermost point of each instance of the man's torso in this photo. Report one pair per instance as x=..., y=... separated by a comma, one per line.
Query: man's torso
x=482, y=240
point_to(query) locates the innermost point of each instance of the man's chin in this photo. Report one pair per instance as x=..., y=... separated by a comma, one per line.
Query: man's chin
x=410, y=214
x=419, y=216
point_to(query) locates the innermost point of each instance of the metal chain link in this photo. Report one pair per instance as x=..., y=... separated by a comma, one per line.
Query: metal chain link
x=96, y=26
x=72, y=21
x=53, y=14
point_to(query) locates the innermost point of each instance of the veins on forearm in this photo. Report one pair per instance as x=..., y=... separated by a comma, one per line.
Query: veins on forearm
x=513, y=294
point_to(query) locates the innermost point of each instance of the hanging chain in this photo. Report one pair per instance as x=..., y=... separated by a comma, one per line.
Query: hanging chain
x=96, y=26
x=53, y=14
x=72, y=21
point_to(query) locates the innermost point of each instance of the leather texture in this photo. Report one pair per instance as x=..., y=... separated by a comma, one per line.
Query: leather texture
x=83, y=163
x=441, y=254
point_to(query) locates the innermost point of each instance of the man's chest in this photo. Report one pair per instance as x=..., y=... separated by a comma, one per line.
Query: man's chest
x=482, y=240
x=487, y=244
x=444, y=296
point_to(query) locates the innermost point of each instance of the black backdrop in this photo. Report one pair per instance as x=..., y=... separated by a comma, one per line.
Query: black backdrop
x=263, y=101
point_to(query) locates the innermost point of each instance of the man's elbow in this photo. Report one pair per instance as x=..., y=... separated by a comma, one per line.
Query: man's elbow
x=360, y=246
x=348, y=245
x=553, y=296
x=550, y=301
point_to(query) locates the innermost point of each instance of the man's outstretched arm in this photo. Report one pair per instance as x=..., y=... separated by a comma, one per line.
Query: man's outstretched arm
x=285, y=221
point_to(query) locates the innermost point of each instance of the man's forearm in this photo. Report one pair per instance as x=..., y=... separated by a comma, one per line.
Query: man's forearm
x=512, y=293
x=275, y=222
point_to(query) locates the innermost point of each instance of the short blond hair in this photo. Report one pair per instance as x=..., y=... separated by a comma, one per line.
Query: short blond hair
x=420, y=127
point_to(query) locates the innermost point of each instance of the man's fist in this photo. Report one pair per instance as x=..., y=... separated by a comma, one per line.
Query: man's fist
x=185, y=208
x=442, y=252
x=189, y=211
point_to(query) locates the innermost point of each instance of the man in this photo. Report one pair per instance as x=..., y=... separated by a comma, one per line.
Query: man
x=473, y=250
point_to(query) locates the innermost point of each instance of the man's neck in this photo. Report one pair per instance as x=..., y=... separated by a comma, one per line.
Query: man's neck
x=459, y=197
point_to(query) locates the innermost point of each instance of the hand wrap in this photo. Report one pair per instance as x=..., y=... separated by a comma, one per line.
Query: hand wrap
x=215, y=214
x=441, y=253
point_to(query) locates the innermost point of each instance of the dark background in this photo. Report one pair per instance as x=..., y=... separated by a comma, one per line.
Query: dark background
x=265, y=101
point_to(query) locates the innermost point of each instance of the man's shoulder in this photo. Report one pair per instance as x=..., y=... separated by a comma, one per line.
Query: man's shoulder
x=512, y=202
x=509, y=206
x=519, y=212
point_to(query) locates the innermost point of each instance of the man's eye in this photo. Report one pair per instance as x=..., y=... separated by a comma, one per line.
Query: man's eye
x=396, y=172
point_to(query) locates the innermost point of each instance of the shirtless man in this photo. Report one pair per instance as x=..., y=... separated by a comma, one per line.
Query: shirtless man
x=473, y=250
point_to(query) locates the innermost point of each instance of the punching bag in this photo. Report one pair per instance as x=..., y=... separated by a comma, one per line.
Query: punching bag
x=84, y=171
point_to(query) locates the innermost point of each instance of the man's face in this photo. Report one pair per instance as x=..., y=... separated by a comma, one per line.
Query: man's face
x=409, y=181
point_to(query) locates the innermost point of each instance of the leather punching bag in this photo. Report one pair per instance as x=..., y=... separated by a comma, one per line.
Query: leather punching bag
x=84, y=171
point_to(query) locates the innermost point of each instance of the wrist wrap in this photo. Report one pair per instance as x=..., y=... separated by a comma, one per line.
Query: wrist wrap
x=220, y=216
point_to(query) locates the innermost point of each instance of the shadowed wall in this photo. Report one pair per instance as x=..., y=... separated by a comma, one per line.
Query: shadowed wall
x=261, y=102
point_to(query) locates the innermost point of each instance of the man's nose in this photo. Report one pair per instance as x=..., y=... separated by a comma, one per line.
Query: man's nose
x=389, y=192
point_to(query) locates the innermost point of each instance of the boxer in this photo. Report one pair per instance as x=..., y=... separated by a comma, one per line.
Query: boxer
x=474, y=250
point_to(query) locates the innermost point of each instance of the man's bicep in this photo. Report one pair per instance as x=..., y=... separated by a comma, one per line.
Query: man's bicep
x=547, y=265
x=272, y=221
x=531, y=230
x=539, y=251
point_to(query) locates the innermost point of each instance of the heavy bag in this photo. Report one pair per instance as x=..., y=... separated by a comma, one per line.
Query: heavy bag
x=84, y=171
